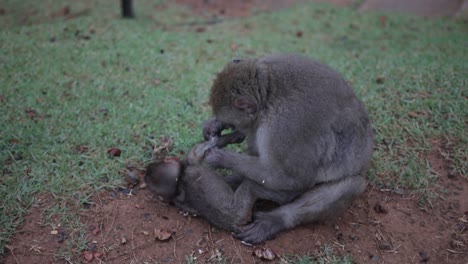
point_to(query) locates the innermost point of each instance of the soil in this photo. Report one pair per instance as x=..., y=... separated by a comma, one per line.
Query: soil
x=235, y=9
x=382, y=226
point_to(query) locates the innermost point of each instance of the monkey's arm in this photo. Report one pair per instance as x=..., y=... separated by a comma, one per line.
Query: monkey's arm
x=253, y=168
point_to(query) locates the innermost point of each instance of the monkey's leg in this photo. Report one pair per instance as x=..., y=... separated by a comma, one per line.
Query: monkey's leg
x=209, y=193
x=321, y=202
x=238, y=204
x=234, y=180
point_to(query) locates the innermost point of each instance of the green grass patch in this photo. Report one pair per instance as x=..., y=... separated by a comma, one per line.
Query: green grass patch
x=98, y=81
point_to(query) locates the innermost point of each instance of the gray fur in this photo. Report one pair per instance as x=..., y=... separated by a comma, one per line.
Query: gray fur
x=309, y=134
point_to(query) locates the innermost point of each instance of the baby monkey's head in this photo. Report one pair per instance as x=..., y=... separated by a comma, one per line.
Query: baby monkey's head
x=162, y=176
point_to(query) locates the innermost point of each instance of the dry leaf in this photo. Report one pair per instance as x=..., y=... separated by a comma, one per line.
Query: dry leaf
x=88, y=255
x=265, y=253
x=162, y=235
x=114, y=152
x=233, y=46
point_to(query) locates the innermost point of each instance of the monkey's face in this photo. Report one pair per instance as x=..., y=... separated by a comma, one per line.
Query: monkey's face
x=235, y=117
x=162, y=177
x=234, y=94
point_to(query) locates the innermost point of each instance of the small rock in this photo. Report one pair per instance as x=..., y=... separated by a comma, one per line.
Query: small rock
x=200, y=29
x=123, y=241
x=339, y=236
x=374, y=258
x=452, y=175
x=54, y=232
x=399, y=191
x=424, y=256
x=380, y=80
x=146, y=233
x=385, y=245
x=379, y=208
x=456, y=244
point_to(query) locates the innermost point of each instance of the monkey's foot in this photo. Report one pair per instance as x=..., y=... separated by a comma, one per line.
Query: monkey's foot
x=264, y=227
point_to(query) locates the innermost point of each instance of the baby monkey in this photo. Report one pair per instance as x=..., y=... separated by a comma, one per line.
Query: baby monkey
x=199, y=189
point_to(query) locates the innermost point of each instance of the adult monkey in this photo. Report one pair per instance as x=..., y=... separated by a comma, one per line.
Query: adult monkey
x=306, y=132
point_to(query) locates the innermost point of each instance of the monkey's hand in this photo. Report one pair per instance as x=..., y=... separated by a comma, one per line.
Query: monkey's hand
x=197, y=152
x=216, y=157
x=213, y=128
x=231, y=138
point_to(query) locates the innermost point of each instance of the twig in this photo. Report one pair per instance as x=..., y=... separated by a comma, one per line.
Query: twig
x=455, y=252
x=12, y=253
x=406, y=211
x=111, y=226
x=133, y=244
x=237, y=250
x=336, y=242
x=209, y=235
x=175, y=245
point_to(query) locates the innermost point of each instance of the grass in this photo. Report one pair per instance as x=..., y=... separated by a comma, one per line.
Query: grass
x=98, y=81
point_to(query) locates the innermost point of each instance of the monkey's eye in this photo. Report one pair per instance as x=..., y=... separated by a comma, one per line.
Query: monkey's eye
x=236, y=60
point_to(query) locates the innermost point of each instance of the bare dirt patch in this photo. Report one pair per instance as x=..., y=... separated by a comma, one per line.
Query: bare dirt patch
x=380, y=227
x=235, y=8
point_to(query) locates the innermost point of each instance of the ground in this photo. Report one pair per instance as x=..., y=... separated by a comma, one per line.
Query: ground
x=382, y=226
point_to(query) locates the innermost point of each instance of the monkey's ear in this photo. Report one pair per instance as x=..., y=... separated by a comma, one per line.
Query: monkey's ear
x=245, y=104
